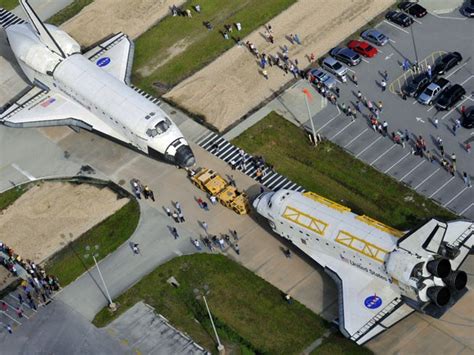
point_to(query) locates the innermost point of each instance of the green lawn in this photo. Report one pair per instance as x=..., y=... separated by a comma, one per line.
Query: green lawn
x=70, y=262
x=336, y=344
x=10, y=196
x=249, y=312
x=198, y=46
x=9, y=4
x=331, y=172
x=68, y=12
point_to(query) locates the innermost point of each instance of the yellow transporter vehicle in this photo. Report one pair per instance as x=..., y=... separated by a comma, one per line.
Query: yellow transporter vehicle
x=215, y=185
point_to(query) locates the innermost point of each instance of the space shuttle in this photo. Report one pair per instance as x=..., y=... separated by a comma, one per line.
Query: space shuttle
x=382, y=274
x=87, y=90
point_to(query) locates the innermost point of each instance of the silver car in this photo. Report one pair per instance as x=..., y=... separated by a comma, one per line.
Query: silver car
x=374, y=36
x=429, y=95
x=335, y=67
x=319, y=76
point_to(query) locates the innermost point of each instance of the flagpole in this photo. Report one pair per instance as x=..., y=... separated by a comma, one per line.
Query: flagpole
x=306, y=94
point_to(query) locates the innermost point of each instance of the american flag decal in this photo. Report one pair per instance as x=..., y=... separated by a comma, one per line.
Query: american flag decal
x=48, y=102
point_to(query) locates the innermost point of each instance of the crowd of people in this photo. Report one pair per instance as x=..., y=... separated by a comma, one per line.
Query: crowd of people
x=139, y=189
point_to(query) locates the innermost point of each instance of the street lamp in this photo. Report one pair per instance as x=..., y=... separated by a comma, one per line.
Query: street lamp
x=198, y=293
x=307, y=95
x=112, y=305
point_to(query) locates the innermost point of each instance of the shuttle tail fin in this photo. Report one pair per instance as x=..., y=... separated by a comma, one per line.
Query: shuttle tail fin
x=40, y=29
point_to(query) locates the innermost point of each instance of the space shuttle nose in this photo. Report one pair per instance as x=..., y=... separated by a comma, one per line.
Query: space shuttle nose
x=184, y=157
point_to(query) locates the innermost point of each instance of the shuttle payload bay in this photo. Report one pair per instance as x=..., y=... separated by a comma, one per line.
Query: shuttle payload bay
x=382, y=274
x=88, y=90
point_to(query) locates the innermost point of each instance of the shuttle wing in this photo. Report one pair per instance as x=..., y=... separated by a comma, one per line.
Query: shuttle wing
x=39, y=108
x=114, y=55
x=368, y=305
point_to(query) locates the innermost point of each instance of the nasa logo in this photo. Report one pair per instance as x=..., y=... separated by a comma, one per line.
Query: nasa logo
x=373, y=302
x=102, y=62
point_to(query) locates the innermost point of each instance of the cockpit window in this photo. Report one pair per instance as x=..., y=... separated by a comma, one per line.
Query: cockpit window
x=160, y=127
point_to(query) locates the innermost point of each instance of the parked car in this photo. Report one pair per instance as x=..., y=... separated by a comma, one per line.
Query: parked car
x=416, y=85
x=450, y=97
x=335, y=67
x=363, y=48
x=375, y=36
x=345, y=55
x=432, y=91
x=320, y=76
x=468, y=9
x=446, y=62
x=467, y=120
x=399, y=18
x=413, y=9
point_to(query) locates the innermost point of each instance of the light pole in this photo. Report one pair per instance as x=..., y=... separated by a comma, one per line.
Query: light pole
x=112, y=305
x=307, y=95
x=198, y=293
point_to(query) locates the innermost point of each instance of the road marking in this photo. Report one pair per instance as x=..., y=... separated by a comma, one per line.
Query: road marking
x=370, y=145
x=417, y=21
x=421, y=183
x=379, y=50
x=414, y=102
x=469, y=78
x=341, y=131
x=455, y=197
x=397, y=27
x=365, y=60
x=332, y=119
x=468, y=207
x=447, y=182
x=454, y=72
x=432, y=107
x=419, y=119
x=388, y=56
x=380, y=156
x=391, y=40
x=353, y=139
x=412, y=170
x=454, y=108
x=450, y=17
x=349, y=69
x=27, y=174
x=13, y=319
x=386, y=171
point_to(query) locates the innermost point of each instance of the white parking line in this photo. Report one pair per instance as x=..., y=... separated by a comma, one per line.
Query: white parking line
x=407, y=154
x=447, y=182
x=13, y=319
x=465, y=210
x=417, y=21
x=414, y=102
x=450, y=17
x=370, y=145
x=432, y=107
x=454, y=72
x=27, y=174
x=381, y=155
x=332, y=119
x=412, y=170
x=425, y=180
x=454, y=108
x=365, y=60
x=469, y=78
x=397, y=27
x=391, y=40
x=342, y=130
x=349, y=69
x=353, y=139
x=455, y=197
x=379, y=50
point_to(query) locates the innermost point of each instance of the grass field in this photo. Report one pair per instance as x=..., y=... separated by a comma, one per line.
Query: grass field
x=331, y=172
x=10, y=196
x=68, y=12
x=70, y=262
x=193, y=45
x=9, y=4
x=336, y=344
x=249, y=312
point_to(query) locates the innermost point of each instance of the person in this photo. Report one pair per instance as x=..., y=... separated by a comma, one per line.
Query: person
x=205, y=206
x=197, y=244
x=265, y=74
x=288, y=298
x=208, y=25
x=188, y=13
x=9, y=329
x=383, y=84
x=232, y=181
x=467, y=179
x=175, y=216
x=135, y=248
x=178, y=206
x=238, y=26
x=237, y=249
x=385, y=75
x=312, y=57
x=174, y=231
x=204, y=225
x=468, y=147
x=287, y=253
x=197, y=8
x=226, y=35
x=181, y=217
x=213, y=199
x=200, y=201
x=168, y=211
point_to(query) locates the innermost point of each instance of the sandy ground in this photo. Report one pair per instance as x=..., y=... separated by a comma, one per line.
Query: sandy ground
x=232, y=85
x=35, y=224
x=104, y=17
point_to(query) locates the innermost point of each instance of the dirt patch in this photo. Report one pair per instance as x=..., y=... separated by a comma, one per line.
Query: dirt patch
x=104, y=17
x=232, y=85
x=33, y=226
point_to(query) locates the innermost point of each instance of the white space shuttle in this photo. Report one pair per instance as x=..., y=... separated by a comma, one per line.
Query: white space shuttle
x=382, y=274
x=87, y=90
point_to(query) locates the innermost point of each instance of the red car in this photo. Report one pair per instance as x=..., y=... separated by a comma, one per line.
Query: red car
x=363, y=48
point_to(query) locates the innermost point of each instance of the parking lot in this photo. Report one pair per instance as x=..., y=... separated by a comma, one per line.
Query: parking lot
x=427, y=39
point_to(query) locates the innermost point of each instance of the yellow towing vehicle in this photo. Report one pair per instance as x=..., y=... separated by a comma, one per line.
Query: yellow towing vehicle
x=215, y=185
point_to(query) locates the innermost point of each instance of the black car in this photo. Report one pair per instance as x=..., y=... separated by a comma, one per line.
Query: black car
x=446, y=62
x=450, y=97
x=399, y=18
x=468, y=118
x=416, y=86
x=468, y=9
x=413, y=9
